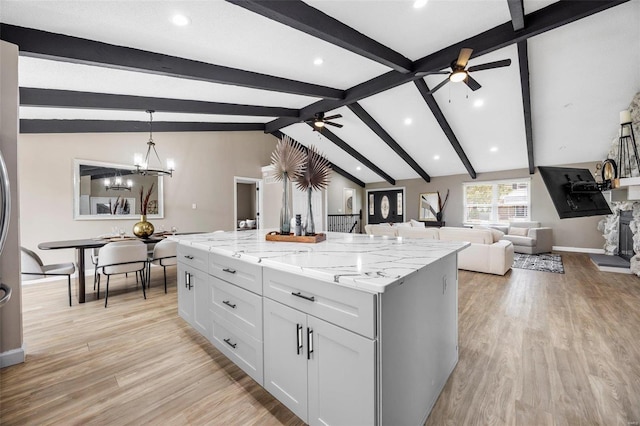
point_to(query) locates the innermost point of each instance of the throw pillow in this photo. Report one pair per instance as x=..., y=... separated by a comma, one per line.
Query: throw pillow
x=416, y=224
x=402, y=224
x=521, y=232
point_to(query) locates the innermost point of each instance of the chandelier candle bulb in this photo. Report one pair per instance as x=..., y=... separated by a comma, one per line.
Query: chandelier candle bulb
x=625, y=117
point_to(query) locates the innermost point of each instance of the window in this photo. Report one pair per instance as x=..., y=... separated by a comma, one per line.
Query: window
x=497, y=201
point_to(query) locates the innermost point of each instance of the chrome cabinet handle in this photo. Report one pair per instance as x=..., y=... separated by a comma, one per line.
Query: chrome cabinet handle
x=7, y=294
x=187, y=280
x=299, y=338
x=228, y=303
x=228, y=342
x=302, y=296
x=188, y=256
x=6, y=202
x=309, y=342
x=229, y=270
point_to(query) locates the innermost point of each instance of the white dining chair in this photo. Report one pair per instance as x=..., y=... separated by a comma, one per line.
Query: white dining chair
x=164, y=254
x=32, y=268
x=121, y=258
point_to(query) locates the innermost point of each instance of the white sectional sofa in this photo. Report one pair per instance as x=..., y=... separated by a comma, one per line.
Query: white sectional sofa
x=487, y=252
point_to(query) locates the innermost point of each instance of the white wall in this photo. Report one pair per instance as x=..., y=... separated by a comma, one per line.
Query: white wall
x=206, y=163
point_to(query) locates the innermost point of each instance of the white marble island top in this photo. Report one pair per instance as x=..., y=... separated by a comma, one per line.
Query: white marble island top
x=351, y=260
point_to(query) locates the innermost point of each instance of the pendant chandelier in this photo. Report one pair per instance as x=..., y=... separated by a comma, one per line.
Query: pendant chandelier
x=143, y=165
x=117, y=184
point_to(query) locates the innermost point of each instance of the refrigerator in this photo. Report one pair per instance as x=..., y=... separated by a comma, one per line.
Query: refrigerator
x=5, y=215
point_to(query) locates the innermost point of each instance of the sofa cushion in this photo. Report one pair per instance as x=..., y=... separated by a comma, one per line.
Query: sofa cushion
x=429, y=233
x=478, y=236
x=521, y=241
x=521, y=232
x=402, y=224
x=416, y=224
x=496, y=233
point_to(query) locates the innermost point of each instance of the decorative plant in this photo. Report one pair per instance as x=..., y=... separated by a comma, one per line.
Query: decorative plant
x=441, y=204
x=287, y=159
x=288, y=163
x=314, y=176
x=144, y=199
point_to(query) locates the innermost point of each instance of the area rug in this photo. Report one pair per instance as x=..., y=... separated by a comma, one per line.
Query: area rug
x=539, y=262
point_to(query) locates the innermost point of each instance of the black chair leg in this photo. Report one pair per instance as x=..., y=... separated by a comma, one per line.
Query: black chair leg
x=144, y=292
x=164, y=268
x=106, y=293
x=69, y=282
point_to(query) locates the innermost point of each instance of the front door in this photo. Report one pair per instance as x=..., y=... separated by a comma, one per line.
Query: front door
x=385, y=206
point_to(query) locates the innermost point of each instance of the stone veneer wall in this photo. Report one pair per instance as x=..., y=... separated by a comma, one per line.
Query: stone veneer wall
x=609, y=224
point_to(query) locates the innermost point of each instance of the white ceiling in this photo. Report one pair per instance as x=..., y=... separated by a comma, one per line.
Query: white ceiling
x=581, y=75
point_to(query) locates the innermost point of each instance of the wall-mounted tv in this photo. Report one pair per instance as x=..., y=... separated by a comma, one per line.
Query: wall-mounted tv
x=574, y=192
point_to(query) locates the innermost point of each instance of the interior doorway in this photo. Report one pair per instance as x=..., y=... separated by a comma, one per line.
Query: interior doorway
x=247, y=203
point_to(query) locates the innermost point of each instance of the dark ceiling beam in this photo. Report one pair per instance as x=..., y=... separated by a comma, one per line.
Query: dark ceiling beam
x=46, y=45
x=523, y=60
x=363, y=115
x=442, y=121
x=516, y=9
x=297, y=14
x=355, y=154
x=108, y=126
x=87, y=100
x=548, y=18
x=278, y=134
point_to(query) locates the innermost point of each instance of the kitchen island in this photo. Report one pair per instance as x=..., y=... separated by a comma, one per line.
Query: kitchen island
x=352, y=330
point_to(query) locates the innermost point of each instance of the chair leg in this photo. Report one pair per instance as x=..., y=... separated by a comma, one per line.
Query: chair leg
x=144, y=292
x=164, y=268
x=98, y=295
x=69, y=282
x=106, y=293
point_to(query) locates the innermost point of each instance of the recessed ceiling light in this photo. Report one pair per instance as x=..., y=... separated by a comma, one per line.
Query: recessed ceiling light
x=180, y=20
x=436, y=157
x=417, y=4
x=408, y=121
x=478, y=103
x=318, y=61
x=494, y=149
x=358, y=168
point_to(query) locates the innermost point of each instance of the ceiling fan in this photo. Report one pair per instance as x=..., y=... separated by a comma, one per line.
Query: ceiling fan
x=458, y=72
x=319, y=121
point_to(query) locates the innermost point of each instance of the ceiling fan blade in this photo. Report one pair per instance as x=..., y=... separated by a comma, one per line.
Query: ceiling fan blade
x=333, y=117
x=329, y=123
x=423, y=73
x=490, y=65
x=439, y=86
x=473, y=85
x=463, y=57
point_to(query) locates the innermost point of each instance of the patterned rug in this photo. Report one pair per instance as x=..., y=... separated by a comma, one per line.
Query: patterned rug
x=539, y=262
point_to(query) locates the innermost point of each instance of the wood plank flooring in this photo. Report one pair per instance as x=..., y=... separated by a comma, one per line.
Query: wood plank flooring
x=536, y=348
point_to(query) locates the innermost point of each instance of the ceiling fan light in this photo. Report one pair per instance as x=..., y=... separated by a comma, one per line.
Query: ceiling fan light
x=458, y=76
x=318, y=123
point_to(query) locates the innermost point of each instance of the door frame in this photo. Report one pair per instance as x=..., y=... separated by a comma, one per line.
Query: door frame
x=258, y=182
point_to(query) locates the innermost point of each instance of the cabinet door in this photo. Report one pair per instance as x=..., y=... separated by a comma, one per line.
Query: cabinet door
x=201, y=289
x=341, y=374
x=185, y=294
x=285, y=356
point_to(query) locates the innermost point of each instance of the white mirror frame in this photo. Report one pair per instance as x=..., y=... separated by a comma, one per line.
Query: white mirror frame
x=76, y=193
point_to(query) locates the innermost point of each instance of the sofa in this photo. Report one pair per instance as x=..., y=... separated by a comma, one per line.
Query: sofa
x=527, y=237
x=488, y=253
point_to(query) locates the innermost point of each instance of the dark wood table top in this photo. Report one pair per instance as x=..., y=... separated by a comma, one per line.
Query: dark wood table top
x=90, y=243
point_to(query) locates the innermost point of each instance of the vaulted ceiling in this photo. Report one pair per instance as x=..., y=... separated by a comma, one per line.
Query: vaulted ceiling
x=97, y=66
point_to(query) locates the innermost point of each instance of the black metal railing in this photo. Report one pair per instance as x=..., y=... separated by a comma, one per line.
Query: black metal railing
x=351, y=223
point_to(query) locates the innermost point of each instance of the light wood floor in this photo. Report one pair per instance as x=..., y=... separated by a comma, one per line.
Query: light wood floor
x=535, y=348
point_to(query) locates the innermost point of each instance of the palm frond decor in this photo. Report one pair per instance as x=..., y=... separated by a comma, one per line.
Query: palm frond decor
x=287, y=159
x=315, y=173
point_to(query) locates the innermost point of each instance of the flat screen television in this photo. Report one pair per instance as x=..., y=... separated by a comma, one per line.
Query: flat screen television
x=574, y=192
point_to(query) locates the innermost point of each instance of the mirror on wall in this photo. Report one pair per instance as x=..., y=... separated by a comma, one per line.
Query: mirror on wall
x=112, y=191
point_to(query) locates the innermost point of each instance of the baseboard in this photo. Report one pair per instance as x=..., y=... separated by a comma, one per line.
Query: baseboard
x=12, y=357
x=578, y=249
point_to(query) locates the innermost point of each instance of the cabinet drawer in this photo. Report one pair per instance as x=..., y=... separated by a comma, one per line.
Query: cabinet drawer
x=342, y=306
x=238, y=272
x=238, y=306
x=242, y=349
x=193, y=257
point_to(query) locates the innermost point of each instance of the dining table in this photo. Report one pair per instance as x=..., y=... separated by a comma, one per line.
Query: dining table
x=89, y=243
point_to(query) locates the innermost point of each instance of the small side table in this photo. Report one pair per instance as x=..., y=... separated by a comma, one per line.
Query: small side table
x=433, y=223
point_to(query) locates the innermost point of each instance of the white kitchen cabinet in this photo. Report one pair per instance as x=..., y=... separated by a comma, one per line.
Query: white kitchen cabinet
x=315, y=368
x=194, y=298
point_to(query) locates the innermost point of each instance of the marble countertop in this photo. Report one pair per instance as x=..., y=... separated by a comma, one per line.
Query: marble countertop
x=352, y=260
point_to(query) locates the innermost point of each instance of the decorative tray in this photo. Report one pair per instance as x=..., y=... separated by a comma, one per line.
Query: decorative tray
x=274, y=236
